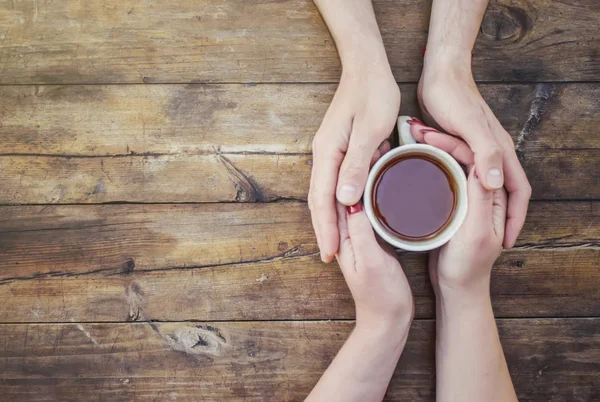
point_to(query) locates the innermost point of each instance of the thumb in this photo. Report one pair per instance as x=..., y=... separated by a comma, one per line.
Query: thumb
x=355, y=168
x=362, y=236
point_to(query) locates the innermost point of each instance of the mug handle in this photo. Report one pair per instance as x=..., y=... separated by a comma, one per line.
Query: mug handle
x=404, y=135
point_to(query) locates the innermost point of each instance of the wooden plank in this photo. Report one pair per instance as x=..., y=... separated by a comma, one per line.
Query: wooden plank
x=239, y=41
x=160, y=119
x=100, y=120
x=167, y=178
x=121, y=238
x=549, y=359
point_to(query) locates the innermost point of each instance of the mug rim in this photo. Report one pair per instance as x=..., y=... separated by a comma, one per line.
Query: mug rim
x=460, y=212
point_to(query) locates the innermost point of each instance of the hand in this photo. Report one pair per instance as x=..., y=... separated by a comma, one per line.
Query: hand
x=361, y=116
x=470, y=363
x=467, y=259
x=449, y=98
x=362, y=369
x=376, y=280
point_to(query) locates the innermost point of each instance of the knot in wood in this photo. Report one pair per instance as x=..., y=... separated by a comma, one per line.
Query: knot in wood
x=198, y=340
x=505, y=24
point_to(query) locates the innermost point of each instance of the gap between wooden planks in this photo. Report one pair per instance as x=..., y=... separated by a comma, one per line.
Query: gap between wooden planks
x=267, y=361
x=285, y=41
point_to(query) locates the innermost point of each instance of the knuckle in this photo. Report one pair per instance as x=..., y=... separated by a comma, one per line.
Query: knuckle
x=381, y=128
x=494, y=152
x=508, y=141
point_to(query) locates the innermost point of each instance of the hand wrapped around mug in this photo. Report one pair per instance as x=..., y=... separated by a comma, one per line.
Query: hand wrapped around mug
x=464, y=263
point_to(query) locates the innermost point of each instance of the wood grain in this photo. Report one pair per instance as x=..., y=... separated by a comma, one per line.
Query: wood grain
x=71, y=240
x=187, y=143
x=102, y=120
x=241, y=262
x=554, y=175
x=525, y=283
x=269, y=361
x=265, y=41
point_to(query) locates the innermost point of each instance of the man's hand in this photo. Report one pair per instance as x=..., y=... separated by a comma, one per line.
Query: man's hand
x=449, y=99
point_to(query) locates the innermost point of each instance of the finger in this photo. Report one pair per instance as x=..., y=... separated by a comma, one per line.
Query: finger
x=355, y=167
x=488, y=153
x=453, y=145
x=345, y=254
x=480, y=203
x=519, y=193
x=416, y=127
x=499, y=202
x=364, y=244
x=375, y=157
x=488, y=156
x=325, y=169
x=384, y=148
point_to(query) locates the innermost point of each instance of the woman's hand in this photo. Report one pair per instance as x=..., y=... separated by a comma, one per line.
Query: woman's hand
x=362, y=369
x=353, y=133
x=376, y=280
x=449, y=98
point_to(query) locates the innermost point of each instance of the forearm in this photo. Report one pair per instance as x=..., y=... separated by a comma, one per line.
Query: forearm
x=356, y=34
x=469, y=357
x=453, y=30
x=362, y=369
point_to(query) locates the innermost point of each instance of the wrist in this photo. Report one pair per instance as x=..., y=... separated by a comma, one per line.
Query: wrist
x=364, y=56
x=391, y=334
x=454, y=62
x=465, y=297
x=394, y=326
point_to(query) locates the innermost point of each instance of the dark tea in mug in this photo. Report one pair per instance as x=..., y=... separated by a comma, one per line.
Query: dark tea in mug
x=414, y=196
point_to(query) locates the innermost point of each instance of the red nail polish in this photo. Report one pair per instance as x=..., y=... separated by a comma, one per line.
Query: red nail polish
x=423, y=51
x=414, y=120
x=354, y=208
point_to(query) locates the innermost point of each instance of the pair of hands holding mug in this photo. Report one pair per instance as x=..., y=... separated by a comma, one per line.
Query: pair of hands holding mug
x=361, y=117
x=462, y=265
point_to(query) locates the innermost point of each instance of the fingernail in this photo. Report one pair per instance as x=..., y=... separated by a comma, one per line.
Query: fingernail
x=494, y=178
x=352, y=209
x=414, y=120
x=346, y=194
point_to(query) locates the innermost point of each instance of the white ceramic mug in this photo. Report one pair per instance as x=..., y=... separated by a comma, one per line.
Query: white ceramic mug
x=409, y=145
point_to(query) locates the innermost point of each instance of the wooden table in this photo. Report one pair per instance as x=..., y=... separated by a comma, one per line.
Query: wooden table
x=155, y=242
